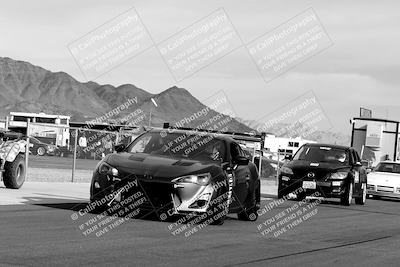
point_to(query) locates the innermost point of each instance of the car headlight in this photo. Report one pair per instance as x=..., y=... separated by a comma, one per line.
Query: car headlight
x=201, y=179
x=50, y=148
x=105, y=168
x=338, y=175
x=286, y=170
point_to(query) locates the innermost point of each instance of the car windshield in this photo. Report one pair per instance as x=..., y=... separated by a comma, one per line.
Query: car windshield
x=180, y=145
x=388, y=167
x=322, y=154
x=34, y=140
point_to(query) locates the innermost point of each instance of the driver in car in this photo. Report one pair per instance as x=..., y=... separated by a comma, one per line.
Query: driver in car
x=341, y=157
x=214, y=155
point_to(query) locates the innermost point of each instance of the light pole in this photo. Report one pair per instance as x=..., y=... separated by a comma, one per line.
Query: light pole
x=151, y=109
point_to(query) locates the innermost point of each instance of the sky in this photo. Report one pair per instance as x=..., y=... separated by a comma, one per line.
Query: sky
x=360, y=69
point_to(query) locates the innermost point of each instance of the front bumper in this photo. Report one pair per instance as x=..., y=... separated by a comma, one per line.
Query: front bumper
x=328, y=189
x=382, y=191
x=175, y=198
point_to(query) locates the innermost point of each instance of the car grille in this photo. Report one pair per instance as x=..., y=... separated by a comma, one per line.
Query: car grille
x=303, y=174
x=158, y=193
x=381, y=188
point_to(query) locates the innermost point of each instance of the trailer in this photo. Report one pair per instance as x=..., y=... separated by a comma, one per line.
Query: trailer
x=375, y=139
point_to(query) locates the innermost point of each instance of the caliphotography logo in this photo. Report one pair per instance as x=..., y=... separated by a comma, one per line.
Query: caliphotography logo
x=200, y=44
x=301, y=117
x=111, y=44
x=289, y=44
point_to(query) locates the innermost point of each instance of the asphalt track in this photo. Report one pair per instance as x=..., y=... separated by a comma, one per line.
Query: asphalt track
x=36, y=234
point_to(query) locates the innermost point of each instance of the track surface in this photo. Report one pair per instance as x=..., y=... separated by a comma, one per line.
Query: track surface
x=44, y=235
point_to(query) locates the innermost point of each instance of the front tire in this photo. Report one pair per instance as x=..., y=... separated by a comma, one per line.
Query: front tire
x=363, y=198
x=346, y=199
x=14, y=173
x=250, y=213
x=218, y=209
x=41, y=151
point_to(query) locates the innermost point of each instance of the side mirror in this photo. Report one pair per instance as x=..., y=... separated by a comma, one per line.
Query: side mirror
x=241, y=160
x=288, y=157
x=120, y=147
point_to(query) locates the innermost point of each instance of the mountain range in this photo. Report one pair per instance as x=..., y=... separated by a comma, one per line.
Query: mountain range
x=28, y=88
x=25, y=87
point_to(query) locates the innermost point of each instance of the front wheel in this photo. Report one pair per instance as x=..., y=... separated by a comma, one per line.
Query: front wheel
x=250, y=212
x=345, y=200
x=219, y=208
x=41, y=151
x=14, y=172
x=362, y=199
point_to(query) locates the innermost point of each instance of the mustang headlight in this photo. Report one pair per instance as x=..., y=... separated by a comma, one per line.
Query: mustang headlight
x=286, y=170
x=338, y=175
x=105, y=168
x=201, y=179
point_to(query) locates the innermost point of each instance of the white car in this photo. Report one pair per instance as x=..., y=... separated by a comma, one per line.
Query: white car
x=384, y=180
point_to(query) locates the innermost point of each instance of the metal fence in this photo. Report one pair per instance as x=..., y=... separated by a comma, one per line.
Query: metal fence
x=76, y=159
x=85, y=147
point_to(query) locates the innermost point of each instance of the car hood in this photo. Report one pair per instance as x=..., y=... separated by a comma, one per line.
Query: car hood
x=301, y=168
x=384, y=178
x=158, y=167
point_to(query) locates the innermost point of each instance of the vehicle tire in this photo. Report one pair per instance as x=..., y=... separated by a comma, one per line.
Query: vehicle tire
x=218, y=209
x=345, y=200
x=41, y=151
x=361, y=200
x=14, y=172
x=250, y=212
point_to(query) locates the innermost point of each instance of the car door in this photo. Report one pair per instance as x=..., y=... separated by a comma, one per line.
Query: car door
x=242, y=177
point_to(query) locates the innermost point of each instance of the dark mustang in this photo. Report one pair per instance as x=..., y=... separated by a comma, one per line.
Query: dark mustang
x=179, y=173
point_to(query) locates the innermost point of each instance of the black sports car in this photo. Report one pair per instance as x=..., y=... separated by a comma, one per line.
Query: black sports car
x=332, y=171
x=179, y=172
